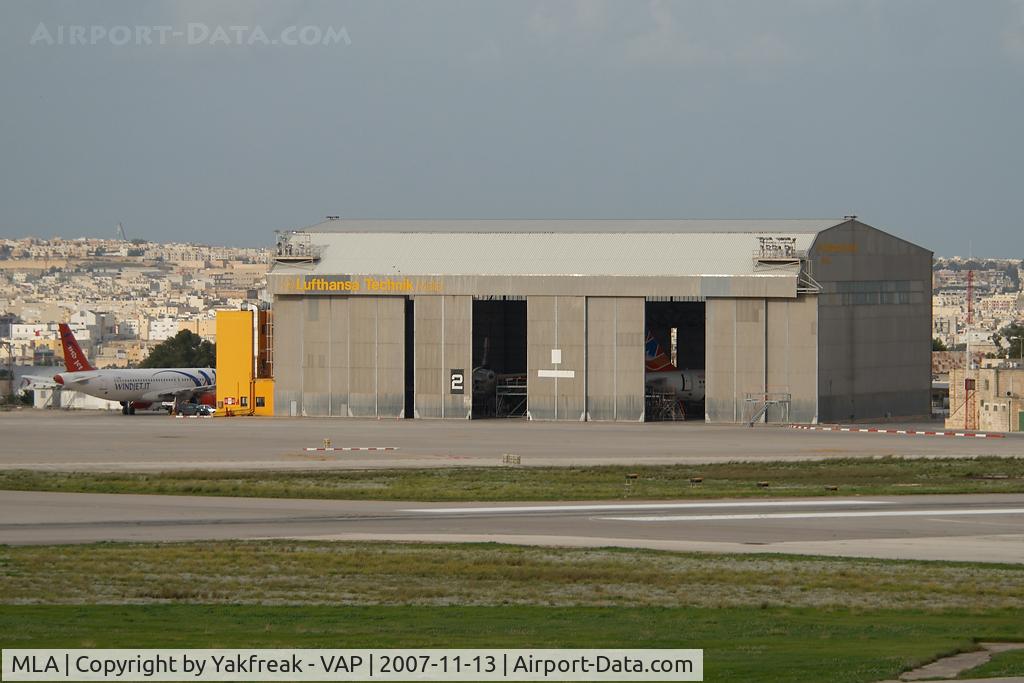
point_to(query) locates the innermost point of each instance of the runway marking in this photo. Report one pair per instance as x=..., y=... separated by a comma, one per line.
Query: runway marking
x=820, y=515
x=648, y=506
x=331, y=449
x=905, y=432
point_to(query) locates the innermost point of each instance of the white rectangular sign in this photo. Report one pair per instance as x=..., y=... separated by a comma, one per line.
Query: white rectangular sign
x=353, y=665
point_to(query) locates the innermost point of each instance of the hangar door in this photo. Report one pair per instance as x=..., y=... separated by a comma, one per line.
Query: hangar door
x=555, y=350
x=342, y=356
x=615, y=358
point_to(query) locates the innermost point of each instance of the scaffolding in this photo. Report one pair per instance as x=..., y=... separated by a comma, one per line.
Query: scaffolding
x=662, y=406
x=510, y=396
x=756, y=406
x=776, y=252
x=294, y=246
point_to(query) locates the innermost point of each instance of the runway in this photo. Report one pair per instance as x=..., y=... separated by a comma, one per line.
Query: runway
x=89, y=441
x=985, y=528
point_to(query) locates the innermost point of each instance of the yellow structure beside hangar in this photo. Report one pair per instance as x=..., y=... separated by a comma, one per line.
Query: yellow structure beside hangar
x=245, y=384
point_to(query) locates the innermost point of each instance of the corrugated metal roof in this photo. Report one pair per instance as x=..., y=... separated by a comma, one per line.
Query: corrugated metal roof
x=578, y=226
x=545, y=253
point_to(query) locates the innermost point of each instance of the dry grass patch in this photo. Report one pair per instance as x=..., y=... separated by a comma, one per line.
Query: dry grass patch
x=301, y=572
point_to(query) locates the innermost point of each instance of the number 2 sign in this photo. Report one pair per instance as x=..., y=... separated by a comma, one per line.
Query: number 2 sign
x=458, y=381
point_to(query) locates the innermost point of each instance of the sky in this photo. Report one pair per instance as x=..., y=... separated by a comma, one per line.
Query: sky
x=222, y=122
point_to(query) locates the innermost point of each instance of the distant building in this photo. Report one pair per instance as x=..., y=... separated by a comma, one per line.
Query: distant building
x=989, y=398
x=162, y=329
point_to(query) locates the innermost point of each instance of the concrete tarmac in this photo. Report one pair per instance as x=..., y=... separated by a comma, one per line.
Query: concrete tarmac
x=91, y=441
x=985, y=528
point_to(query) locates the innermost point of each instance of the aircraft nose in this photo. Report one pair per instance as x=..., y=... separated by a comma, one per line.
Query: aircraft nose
x=58, y=379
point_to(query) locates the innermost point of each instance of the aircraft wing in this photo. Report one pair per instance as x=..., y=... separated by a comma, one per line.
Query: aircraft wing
x=182, y=394
x=75, y=379
x=30, y=382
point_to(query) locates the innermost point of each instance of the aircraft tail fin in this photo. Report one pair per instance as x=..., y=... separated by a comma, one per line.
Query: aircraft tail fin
x=74, y=358
x=657, y=360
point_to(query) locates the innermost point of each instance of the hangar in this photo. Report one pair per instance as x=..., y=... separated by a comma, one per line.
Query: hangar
x=603, y=320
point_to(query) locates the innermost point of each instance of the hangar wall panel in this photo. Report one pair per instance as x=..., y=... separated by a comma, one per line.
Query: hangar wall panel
x=735, y=356
x=429, y=357
x=390, y=356
x=363, y=356
x=792, y=357
x=288, y=350
x=758, y=346
x=316, y=390
x=875, y=324
x=338, y=359
x=615, y=359
x=342, y=356
x=458, y=353
x=376, y=356
x=556, y=323
x=749, y=359
x=443, y=343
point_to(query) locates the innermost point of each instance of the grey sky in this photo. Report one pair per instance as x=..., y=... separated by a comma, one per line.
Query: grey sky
x=907, y=113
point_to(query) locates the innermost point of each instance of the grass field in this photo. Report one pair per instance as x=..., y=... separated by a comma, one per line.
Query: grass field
x=308, y=572
x=882, y=476
x=765, y=618
x=1002, y=664
x=739, y=644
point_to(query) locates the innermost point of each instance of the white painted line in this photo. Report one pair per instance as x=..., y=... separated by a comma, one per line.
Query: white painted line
x=557, y=373
x=821, y=515
x=649, y=506
x=355, y=448
x=905, y=432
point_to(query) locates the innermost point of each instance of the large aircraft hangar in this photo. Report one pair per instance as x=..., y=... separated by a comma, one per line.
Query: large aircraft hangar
x=606, y=320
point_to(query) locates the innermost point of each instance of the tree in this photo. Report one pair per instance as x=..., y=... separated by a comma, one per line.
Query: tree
x=183, y=350
x=938, y=345
x=1013, y=272
x=1013, y=333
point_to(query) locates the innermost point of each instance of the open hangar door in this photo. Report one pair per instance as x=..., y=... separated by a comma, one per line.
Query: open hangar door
x=675, y=359
x=499, y=357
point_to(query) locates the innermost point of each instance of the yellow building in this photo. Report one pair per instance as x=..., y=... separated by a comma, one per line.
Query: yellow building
x=245, y=384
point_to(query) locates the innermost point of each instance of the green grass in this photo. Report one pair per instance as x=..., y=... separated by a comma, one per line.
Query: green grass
x=331, y=573
x=1003, y=664
x=739, y=644
x=879, y=476
x=763, y=618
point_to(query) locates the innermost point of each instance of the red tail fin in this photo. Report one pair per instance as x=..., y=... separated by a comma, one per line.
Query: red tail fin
x=656, y=359
x=74, y=359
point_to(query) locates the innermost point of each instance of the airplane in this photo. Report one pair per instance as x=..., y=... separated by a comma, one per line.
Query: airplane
x=662, y=376
x=33, y=382
x=133, y=388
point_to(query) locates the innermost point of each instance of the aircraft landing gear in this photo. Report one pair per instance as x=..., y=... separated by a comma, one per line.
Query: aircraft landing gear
x=127, y=408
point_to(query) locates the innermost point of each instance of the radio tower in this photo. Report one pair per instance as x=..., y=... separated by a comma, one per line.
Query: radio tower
x=971, y=412
x=120, y=233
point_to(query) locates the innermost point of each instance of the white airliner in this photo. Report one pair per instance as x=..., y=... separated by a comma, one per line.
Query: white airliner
x=662, y=375
x=133, y=388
